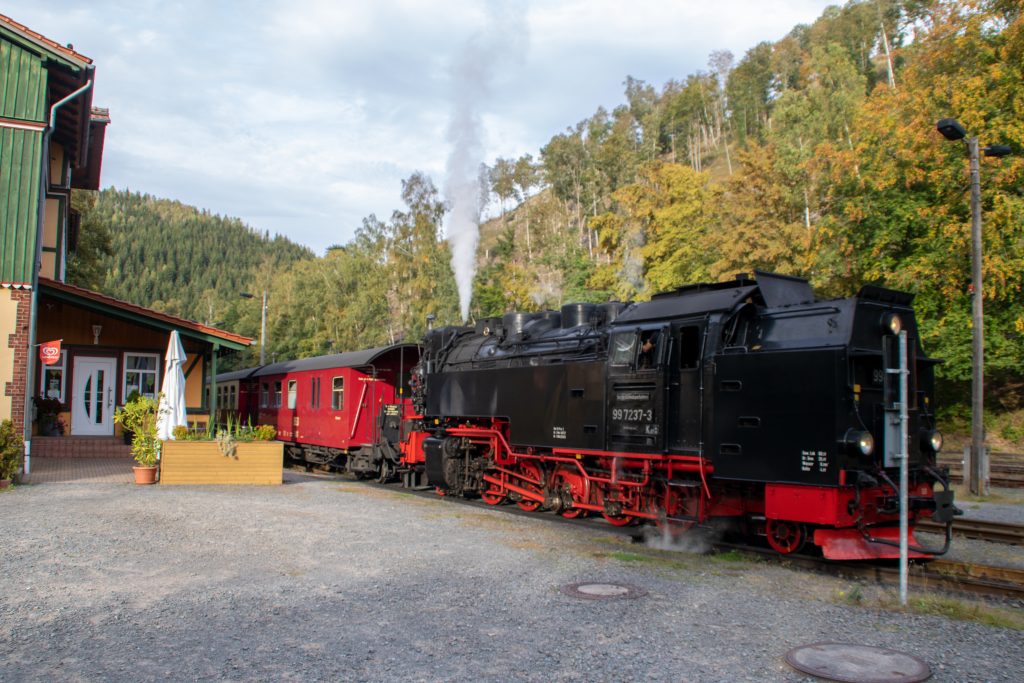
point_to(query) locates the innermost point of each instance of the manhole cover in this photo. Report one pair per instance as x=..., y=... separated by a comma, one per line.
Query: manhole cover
x=857, y=663
x=592, y=590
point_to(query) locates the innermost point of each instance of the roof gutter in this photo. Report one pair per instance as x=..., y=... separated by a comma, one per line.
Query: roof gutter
x=30, y=364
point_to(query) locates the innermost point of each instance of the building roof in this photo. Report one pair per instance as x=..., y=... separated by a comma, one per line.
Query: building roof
x=349, y=359
x=141, y=314
x=66, y=51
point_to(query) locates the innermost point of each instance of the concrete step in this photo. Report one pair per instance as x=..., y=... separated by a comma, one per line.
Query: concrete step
x=80, y=447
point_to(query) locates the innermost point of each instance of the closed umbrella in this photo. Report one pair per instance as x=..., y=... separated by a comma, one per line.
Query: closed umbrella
x=172, y=401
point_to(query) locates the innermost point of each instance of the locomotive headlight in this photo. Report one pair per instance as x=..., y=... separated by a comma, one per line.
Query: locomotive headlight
x=892, y=323
x=860, y=441
x=931, y=440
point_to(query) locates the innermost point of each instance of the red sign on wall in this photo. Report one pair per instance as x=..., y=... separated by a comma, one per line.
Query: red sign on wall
x=49, y=352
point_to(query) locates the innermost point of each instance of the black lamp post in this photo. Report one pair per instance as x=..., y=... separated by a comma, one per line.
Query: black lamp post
x=976, y=469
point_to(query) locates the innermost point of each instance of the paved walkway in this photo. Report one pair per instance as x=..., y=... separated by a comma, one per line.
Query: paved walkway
x=82, y=471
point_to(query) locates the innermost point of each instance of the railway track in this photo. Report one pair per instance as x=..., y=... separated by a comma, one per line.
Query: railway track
x=995, y=532
x=1003, y=583
x=943, y=575
x=1006, y=470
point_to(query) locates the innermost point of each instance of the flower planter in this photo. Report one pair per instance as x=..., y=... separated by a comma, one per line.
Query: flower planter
x=144, y=475
x=201, y=462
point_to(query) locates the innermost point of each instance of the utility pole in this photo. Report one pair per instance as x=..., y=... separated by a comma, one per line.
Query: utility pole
x=976, y=469
x=263, y=324
x=263, y=331
x=978, y=466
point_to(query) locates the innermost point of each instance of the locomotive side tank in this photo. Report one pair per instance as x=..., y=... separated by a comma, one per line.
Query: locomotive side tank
x=749, y=399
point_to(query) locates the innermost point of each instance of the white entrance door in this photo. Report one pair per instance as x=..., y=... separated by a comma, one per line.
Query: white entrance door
x=92, y=397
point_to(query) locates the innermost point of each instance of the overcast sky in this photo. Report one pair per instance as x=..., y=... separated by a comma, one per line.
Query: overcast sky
x=303, y=117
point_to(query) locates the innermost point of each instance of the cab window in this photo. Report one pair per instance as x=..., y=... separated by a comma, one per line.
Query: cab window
x=689, y=347
x=623, y=348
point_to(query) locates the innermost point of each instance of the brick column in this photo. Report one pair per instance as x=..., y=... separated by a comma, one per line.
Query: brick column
x=18, y=341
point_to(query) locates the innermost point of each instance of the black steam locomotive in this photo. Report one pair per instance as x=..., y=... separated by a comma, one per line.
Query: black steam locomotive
x=748, y=399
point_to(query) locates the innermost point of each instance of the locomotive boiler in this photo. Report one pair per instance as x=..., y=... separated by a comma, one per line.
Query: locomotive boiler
x=750, y=400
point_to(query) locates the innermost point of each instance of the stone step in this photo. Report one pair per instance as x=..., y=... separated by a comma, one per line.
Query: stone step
x=80, y=447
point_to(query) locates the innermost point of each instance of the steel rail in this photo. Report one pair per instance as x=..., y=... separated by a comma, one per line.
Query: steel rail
x=995, y=532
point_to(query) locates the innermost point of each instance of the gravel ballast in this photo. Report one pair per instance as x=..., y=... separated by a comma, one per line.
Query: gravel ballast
x=327, y=580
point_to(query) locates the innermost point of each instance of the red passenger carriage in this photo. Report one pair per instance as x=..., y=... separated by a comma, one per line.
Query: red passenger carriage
x=328, y=409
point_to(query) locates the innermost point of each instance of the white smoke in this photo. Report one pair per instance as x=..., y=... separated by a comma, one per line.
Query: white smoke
x=503, y=38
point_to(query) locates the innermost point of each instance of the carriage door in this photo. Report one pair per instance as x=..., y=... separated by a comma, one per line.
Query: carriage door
x=684, y=398
x=92, y=397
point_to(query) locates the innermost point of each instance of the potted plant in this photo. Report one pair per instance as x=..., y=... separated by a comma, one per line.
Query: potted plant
x=48, y=417
x=11, y=448
x=140, y=417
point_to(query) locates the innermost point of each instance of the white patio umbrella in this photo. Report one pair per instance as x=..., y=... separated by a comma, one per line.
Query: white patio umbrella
x=172, y=402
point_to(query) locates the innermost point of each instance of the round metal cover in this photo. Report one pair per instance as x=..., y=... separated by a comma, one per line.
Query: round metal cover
x=857, y=663
x=596, y=590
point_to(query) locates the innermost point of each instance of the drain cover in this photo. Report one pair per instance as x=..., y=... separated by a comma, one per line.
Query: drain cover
x=592, y=590
x=857, y=663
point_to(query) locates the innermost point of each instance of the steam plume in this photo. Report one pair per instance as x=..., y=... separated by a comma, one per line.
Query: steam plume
x=503, y=37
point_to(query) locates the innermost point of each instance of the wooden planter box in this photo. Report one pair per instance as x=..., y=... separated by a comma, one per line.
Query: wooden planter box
x=201, y=462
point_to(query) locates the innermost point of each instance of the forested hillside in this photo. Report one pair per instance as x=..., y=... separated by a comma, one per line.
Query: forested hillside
x=177, y=258
x=814, y=155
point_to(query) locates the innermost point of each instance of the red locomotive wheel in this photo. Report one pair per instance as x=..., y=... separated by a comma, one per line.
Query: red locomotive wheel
x=674, y=503
x=617, y=520
x=494, y=495
x=785, y=537
x=532, y=472
x=578, y=487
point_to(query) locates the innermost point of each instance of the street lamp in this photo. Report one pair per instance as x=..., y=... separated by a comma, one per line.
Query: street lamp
x=976, y=470
x=263, y=324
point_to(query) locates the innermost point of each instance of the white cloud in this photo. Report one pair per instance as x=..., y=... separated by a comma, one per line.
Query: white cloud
x=304, y=117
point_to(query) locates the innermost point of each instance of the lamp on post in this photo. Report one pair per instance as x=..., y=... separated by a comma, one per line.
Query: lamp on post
x=263, y=324
x=976, y=469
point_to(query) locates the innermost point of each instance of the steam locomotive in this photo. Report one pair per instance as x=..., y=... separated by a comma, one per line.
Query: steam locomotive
x=749, y=400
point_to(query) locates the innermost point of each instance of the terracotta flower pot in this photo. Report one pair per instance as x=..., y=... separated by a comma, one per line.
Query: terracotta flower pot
x=4, y=483
x=144, y=475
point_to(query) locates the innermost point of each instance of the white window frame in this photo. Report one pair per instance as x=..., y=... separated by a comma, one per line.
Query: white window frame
x=125, y=370
x=277, y=394
x=335, y=393
x=264, y=394
x=293, y=393
x=63, y=367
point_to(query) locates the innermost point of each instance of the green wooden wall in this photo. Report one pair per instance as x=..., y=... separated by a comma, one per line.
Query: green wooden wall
x=23, y=80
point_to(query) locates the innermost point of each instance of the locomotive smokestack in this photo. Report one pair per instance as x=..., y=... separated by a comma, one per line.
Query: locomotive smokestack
x=503, y=36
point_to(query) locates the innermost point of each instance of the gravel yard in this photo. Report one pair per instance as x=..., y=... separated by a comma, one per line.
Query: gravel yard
x=328, y=580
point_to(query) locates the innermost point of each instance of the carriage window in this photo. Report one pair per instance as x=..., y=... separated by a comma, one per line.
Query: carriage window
x=233, y=397
x=265, y=396
x=648, y=357
x=623, y=345
x=689, y=347
x=293, y=393
x=314, y=395
x=338, y=393
x=277, y=394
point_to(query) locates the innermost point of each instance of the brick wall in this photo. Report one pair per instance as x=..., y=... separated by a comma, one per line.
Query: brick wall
x=18, y=342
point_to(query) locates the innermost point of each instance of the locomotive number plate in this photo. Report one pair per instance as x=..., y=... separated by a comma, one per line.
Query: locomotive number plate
x=632, y=414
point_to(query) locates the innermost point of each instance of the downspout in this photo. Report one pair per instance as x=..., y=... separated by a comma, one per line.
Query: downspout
x=36, y=264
